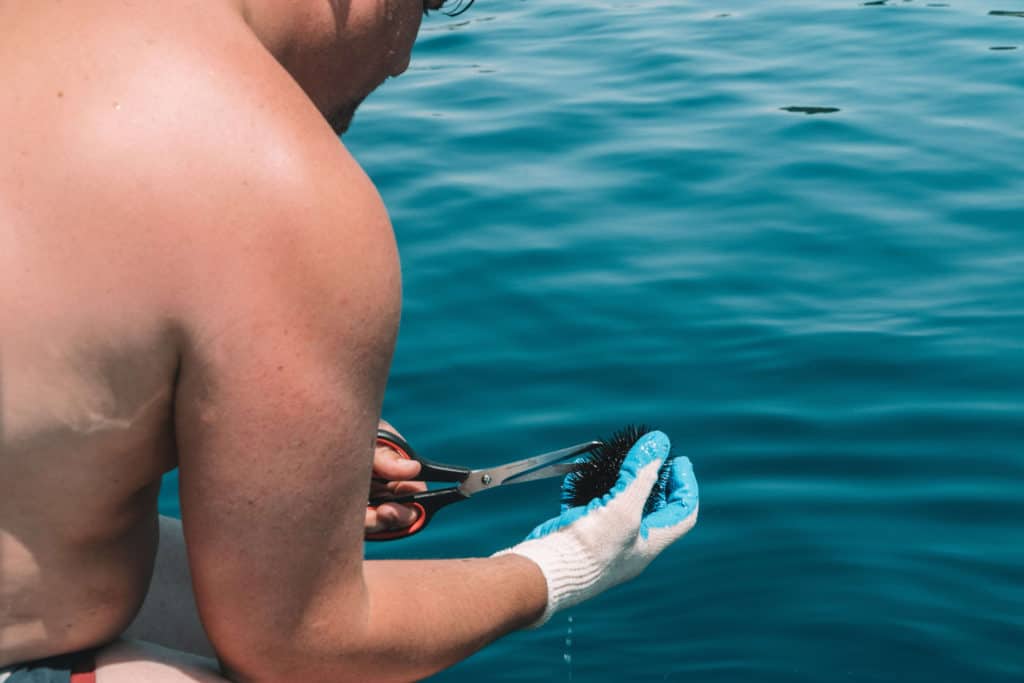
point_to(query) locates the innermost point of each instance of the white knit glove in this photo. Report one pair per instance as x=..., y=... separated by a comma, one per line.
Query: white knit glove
x=588, y=549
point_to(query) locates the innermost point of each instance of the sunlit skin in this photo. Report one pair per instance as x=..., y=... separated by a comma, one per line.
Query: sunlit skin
x=195, y=273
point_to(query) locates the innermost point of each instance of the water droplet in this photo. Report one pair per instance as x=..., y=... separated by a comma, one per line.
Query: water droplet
x=567, y=653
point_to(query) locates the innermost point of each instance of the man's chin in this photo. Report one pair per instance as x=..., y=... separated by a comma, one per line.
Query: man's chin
x=341, y=123
x=342, y=118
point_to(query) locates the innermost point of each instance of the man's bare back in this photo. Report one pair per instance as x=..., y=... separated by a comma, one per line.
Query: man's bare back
x=194, y=273
x=112, y=116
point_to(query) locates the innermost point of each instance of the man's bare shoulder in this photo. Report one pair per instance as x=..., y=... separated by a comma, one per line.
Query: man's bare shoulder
x=263, y=201
x=168, y=115
x=222, y=167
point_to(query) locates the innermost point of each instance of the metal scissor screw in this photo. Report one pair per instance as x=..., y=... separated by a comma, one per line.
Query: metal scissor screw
x=486, y=480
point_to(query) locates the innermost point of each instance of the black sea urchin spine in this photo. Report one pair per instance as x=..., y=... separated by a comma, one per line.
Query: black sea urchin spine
x=600, y=470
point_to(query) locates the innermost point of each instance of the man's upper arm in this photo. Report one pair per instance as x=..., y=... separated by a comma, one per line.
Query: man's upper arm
x=289, y=314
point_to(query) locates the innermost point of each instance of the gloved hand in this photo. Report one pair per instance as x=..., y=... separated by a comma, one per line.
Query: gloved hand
x=588, y=549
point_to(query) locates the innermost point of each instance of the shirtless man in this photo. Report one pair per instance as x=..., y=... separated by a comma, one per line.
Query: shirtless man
x=195, y=273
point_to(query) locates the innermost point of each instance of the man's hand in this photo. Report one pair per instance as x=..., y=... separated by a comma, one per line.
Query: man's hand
x=396, y=472
x=590, y=548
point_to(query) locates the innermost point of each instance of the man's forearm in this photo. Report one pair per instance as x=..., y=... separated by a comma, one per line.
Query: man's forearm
x=419, y=616
x=461, y=606
x=424, y=615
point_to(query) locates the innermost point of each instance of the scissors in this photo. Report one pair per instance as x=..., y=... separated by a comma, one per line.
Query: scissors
x=470, y=481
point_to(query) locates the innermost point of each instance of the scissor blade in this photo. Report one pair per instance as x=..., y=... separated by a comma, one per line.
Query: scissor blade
x=559, y=470
x=514, y=472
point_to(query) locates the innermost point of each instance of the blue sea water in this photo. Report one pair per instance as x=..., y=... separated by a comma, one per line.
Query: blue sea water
x=606, y=215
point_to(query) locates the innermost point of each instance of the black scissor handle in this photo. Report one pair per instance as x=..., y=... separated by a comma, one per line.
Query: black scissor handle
x=426, y=504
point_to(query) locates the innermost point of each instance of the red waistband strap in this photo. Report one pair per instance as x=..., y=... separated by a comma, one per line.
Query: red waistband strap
x=85, y=668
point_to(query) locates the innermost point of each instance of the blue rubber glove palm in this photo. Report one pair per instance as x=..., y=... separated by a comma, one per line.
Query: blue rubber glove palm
x=588, y=549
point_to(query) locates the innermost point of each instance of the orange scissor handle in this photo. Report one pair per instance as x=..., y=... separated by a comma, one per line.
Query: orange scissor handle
x=392, y=534
x=400, y=446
